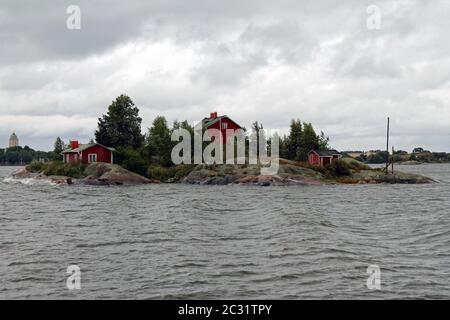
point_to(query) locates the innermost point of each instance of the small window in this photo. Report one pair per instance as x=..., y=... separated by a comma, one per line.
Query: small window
x=92, y=157
x=76, y=157
x=224, y=125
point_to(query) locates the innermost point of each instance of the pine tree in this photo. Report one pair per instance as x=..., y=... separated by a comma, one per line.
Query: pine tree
x=294, y=141
x=324, y=141
x=59, y=147
x=284, y=147
x=310, y=141
x=121, y=126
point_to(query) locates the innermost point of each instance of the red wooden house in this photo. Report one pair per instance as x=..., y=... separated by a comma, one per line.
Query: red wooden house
x=222, y=123
x=87, y=153
x=323, y=157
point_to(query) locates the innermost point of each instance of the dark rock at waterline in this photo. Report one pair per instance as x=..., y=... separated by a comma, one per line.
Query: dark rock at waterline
x=23, y=173
x=250, y=175
x=289, y=173
x=94, y=181
x=110, y=174
x=293, y=173
x=99, y=174
x=377, y=176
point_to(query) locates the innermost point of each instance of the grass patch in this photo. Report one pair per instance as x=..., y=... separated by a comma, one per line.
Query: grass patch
x=164, y=174
x=56, y=168
x=347, y=180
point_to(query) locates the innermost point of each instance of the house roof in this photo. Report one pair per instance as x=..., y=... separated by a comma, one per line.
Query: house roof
x=207, y=122
x=326, y=153
x=83, y=147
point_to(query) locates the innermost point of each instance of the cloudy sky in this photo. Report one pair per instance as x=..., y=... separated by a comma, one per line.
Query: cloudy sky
x=250, y=59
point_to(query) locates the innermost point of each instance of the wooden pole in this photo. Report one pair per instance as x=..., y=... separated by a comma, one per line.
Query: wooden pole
x=392, y=160
x=387, y=147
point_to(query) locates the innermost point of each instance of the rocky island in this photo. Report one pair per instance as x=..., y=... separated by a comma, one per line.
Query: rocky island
x=346, y=171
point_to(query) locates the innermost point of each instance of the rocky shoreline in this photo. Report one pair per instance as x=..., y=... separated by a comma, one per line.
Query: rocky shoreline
x=23, y=173
x=290, y=173
x=98, y=174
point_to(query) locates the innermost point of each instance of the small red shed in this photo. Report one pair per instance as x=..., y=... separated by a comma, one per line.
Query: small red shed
x=222, y=123
x=87, y=153
x=323, y=157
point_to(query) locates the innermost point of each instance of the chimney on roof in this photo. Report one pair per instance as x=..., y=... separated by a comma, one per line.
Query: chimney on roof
x=74, y=144
x=213, y=115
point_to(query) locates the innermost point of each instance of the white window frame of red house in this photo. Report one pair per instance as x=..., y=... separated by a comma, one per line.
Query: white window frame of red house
x=89, y=157
x=67, y=158
x=224, y=125
x=75, y=157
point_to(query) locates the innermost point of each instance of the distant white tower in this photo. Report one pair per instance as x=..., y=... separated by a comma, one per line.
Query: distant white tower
x=13, y=141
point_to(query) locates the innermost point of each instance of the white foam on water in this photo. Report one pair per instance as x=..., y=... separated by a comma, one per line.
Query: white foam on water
x=29, y=181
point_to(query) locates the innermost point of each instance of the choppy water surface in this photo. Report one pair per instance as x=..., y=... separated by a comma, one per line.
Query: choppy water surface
x=204, y=242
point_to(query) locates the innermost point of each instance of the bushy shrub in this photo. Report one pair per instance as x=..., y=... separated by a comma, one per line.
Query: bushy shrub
x=339, y=169
x=159, y=173
x=52, y=168
x=319, y=169
x=131, y=160
x=35, y=166
x=55, y=168
x=182, y=171
x=177, y=173
x=75, y=171
x=355, y=164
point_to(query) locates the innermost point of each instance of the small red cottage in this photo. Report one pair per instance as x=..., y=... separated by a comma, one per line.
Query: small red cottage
x=87, y=153
x=323, y=157
x=222, y=123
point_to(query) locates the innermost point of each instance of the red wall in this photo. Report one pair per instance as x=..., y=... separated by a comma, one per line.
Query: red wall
x=326, y=160
x=314, y=159
x=103, y=154
x=231, y=126
x=71, y=157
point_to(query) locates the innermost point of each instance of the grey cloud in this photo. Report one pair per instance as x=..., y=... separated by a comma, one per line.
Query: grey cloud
x=254, y=60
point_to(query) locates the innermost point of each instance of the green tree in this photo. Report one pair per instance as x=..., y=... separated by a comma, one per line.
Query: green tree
x=183, y=125
x=310, y=141
x=284, y=147
x=324, y=141
x=131, y=159
x=121, y=126
x=294, y=140
x=58, y=147
x=159, y=144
